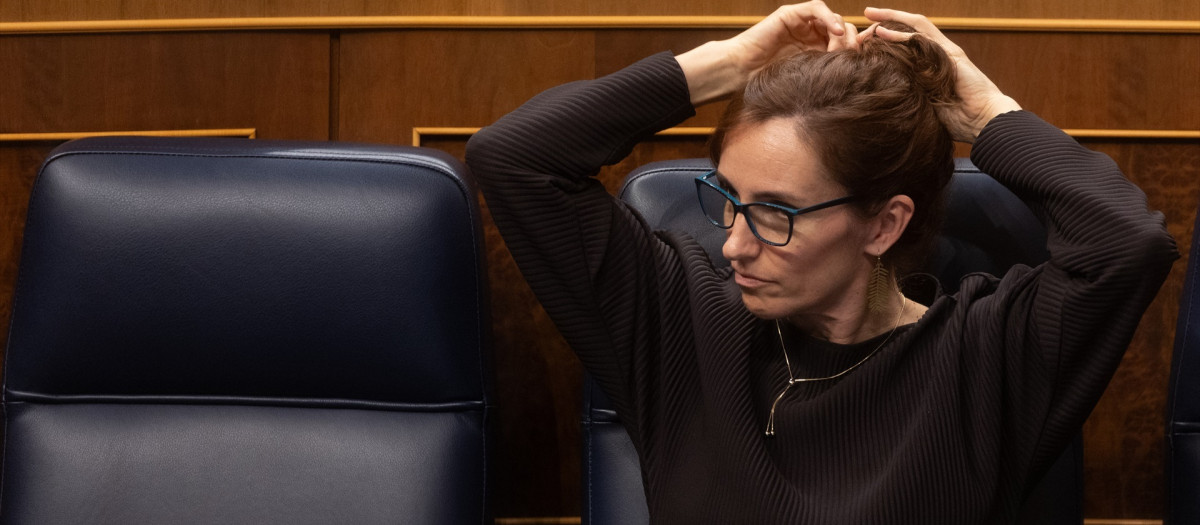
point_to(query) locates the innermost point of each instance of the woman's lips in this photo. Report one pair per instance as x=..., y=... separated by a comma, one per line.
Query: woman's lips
x=747, y=281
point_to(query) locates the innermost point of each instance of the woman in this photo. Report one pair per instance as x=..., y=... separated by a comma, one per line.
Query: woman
x=800, y=385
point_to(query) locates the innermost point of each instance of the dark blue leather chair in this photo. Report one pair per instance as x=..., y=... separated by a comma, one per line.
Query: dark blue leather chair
x=1183, y=401
x=232, y=331
x=988, y=230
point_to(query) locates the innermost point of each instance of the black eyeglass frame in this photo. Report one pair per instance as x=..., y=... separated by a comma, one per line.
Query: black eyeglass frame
x=740, y=208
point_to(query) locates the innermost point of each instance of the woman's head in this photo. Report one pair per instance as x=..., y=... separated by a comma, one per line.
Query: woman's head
x=869, y=118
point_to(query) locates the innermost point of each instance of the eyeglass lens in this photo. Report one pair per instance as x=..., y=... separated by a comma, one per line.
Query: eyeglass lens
x=767, y=223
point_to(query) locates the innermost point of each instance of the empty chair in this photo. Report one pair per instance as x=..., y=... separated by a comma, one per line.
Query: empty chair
x=233, y=331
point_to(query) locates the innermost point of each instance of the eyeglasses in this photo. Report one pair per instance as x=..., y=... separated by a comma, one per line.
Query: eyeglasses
x=771, y=223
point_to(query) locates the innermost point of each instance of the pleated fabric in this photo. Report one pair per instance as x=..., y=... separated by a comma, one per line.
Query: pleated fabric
x=950, y=422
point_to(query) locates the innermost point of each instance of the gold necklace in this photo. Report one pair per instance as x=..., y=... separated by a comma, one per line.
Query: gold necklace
x=792, y=380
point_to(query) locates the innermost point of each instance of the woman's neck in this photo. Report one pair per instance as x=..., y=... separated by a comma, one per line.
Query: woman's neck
x=855, y=322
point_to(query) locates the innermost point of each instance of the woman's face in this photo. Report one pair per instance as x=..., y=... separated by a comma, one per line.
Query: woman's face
x=824, y=268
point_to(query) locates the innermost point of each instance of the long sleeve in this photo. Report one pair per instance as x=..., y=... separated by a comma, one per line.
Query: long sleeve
x=948, y=423
x=1066, y=324
x=592, y=263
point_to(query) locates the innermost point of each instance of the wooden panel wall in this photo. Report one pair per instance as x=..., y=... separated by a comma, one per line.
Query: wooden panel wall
x=378, y=85
x=41, y=10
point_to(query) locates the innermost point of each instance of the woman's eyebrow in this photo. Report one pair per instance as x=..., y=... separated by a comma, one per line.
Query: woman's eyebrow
x=773, y=197
x=778, y=198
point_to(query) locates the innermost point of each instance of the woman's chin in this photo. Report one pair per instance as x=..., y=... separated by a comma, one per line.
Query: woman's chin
x=760, y=308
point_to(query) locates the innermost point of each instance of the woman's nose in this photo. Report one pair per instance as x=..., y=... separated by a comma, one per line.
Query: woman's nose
x=740, y=242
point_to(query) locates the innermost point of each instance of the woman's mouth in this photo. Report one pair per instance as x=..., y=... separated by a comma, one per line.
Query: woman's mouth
x=747, y=281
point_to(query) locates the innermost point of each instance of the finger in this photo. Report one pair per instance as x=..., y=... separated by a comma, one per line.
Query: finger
x=867, y=33
x=848, y=40
x=918, y=22
x=800, y=17
x=851, y=37
x=797, y=23
x=831, y=21
x=821, y=31
x=836, y=25
x=891, y=35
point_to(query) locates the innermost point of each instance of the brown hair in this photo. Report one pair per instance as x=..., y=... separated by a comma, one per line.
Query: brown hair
x=870, y=117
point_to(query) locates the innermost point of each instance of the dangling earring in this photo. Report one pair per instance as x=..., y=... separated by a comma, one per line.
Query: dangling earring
x=878, y=288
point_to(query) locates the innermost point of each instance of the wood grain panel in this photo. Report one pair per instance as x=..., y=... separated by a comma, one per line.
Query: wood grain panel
x=1105, y=81
x=37, y=10
x=440, y=22
x=1095, y=80
x=537, y=468
x=18, y=167
x=275, y=82
x=616, y=49
x=1124, y=437
x=391, y=82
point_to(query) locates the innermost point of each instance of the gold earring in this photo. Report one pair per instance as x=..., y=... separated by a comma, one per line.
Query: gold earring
x=878, y=288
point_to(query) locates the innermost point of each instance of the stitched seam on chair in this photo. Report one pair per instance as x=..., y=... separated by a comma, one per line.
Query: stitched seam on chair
x=4, y=451
x=309, y=153
x=447, y=406
x=485, y=451
x=590, y=474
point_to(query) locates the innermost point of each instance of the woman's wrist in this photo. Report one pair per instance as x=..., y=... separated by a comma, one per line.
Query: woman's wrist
x=712, y=72
x=998, y=106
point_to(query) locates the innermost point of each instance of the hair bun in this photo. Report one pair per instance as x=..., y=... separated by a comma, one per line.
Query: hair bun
x=928, y=65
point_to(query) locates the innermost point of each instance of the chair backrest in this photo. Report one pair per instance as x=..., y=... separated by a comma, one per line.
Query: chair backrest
x=988, y=229
x=1183, y=400
x=236, y=331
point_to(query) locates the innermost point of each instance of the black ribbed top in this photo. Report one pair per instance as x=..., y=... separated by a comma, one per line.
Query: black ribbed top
x=949, y=422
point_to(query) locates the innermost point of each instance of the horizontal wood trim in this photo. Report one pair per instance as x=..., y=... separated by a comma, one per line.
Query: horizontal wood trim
x=1144, y=134
x=566, y=22
x=71, y=135
x=1159, y=134
x=418, y=133
x=1122, y=522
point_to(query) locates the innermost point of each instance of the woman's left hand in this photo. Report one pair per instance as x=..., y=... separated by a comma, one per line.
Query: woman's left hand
x=720, y=68
x=980, y=99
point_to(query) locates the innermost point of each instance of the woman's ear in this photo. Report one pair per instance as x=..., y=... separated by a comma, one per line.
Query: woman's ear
x=888, y=225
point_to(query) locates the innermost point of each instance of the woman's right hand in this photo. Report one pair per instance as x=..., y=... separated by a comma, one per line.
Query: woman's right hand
x=718, y=69
x=979, y=99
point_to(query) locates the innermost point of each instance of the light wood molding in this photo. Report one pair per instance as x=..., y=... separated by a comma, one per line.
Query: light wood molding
x=1127, y=134
x=1154, y=134
x=71, y=135
x=1122, y=522
x=566, y=22
x=419, y=132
